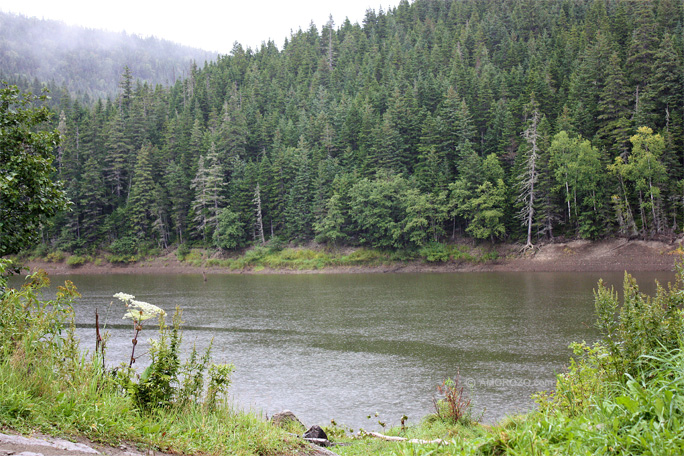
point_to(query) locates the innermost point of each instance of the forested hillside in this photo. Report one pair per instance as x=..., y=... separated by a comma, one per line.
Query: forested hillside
x=87, y=62
x=496, y=120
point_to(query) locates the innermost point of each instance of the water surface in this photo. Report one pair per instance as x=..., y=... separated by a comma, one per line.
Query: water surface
x=348, y=346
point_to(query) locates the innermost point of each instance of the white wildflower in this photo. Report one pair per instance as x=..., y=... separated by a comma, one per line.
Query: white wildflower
x=140, y=310
x=125, y=297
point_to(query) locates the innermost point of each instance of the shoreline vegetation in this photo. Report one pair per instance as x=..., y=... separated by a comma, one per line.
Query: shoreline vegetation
x=573, y=256
x=622, y=395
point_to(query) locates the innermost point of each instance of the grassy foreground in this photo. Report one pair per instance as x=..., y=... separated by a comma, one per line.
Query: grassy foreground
x=623, y=395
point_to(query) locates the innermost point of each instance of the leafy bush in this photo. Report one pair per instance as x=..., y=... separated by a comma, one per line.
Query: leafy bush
x=363, y=257
x=276, y=244
x=124, y=246
x=75, y=261
x=644, y=325
x=579, y=387
x=435, y=252
x=230, y=232
x=461, y=253
x=194, y=256
x=121, y=259
x=489, y=256
x=56, y=257
x=182, y=252
x=635, y=334
x=255, y=255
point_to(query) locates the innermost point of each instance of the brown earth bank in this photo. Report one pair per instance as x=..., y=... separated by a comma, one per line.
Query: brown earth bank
x=573, y=256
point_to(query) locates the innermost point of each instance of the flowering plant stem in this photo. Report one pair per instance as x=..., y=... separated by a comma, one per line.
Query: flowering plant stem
x=138, y=327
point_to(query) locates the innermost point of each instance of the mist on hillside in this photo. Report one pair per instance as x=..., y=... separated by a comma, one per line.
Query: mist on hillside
x=86, y=61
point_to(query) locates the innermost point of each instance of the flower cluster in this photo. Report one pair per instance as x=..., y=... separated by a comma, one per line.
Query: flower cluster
x=139, y=310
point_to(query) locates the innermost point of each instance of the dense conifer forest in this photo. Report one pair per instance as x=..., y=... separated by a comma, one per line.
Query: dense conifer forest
x=494, y=120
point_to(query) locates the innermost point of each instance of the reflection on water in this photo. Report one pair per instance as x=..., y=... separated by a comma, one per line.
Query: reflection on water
x=346, y=346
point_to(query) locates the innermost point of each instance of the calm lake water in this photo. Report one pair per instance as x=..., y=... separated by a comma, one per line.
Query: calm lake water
x=347, y=346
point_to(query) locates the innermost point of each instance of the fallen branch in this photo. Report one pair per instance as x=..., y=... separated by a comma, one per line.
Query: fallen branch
x=404, y=439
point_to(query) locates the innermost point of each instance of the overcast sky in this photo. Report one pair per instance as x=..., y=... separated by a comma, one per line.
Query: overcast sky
x=209, y=25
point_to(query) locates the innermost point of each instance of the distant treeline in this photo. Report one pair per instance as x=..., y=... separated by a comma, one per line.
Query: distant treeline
x=86, y=62
x=496, y=120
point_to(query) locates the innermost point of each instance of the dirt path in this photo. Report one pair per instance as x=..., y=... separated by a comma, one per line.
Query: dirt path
x=18, y=445
x=41, y=445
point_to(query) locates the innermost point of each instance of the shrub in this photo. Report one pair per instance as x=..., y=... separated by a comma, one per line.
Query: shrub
x=434, y=252
x=121, y=259
x=230, y=231
x=635, y=333
x=489, y=256
x=255, y=255
x=75, y=261
x=461, y=253
x=641, y=326
x=276, y=244
x=56, y=257
x=579, y=387
x=124, y=246
x=182, y=252
x=455, y=405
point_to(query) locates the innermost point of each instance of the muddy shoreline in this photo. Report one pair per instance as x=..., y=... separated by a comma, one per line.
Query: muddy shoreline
x=574, y=256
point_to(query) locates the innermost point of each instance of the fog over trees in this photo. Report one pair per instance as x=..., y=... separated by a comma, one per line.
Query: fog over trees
x=86, y=61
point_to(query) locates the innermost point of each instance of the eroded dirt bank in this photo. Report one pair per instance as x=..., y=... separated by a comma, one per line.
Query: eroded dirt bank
x=609, y=255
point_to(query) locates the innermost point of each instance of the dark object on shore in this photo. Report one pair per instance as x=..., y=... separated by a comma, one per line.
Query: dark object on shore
x=317, y=435
x=315, y=432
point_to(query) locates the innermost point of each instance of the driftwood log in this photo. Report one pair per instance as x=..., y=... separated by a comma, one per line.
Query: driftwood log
x=404, y=439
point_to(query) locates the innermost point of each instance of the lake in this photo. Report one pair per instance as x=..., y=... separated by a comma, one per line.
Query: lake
x=346, y=346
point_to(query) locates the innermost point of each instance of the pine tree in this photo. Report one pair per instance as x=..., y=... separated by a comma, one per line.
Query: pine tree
x=142, y=198
x=614, y=112
x=119, y=152
x=91, y=200
x=208, y=190
x=178, y=187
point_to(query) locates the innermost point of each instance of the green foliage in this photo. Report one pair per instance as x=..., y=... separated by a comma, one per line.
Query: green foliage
x=182, y=252
x=56, y=257
x=435, y=252
x=28, y=197
x=230, y=231
x=75, y=261
x=125, y=246
x=585, y=381
x=455, y=405
x=644, y=325
x=30, y=325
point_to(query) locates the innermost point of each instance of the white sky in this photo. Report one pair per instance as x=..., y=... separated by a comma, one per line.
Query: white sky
x=209, y=25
